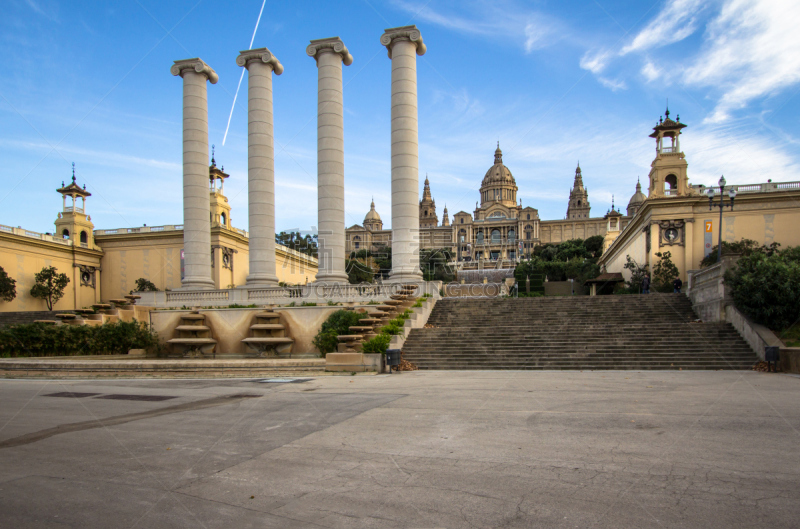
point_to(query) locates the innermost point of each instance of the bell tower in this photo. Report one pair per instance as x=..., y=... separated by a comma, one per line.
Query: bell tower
x=220, y=209
x=578, y=207
x=427, y=208
x=668, y=175
x=73, y=223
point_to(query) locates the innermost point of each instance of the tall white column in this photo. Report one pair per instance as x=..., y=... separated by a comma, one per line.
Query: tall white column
x=260, y=64
x=329, y=55
x=196, y=217
x=402, y=44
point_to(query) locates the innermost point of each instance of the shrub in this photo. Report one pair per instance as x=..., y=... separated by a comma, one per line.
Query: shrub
x=766, y=287
x=143, y=285
x=337, y=323
x=392, y=328
x=379, y=344
x=743, y=247
x=35, y=339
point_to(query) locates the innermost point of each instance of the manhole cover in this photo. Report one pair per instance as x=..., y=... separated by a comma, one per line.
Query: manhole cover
x=284, y=380
x=70, y=394
x=148, y=398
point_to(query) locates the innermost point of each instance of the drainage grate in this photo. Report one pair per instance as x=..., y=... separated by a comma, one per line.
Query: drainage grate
x=284, y=380
x=70, y=394
x=148, y=398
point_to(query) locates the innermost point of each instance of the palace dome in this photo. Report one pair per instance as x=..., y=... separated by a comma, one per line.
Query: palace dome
x=498, y=173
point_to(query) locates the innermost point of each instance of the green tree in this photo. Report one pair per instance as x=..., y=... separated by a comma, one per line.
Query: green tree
x=435, y=265
x=358, y=272
x=8, y=286
x=49, y=286
x=767, y=287
x=143, y=285
x=634, y=285
x=664, y=273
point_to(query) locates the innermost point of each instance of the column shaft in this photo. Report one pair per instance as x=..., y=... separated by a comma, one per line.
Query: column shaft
x=405, y=163
x=196, y=217
x=330, y=168
x=260, y=175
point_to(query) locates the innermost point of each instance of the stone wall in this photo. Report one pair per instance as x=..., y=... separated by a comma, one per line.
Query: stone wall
x=706, y=289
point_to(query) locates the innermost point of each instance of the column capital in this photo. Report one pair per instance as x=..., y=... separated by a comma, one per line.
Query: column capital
x=410, y=33
x=259, y=54
x=196, y=64
x=330, y=45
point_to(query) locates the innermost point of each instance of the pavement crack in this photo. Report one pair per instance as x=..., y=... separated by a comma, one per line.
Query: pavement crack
x=121, y=419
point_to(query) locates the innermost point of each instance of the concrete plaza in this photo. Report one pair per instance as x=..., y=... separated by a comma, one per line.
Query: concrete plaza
x=604, y=449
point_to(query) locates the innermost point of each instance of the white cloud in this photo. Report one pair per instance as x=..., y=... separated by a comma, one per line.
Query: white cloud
x=674, y=23
x=613, y=84
x=751, y=53
x=536, y=37
x=651, y=72
x=503, y=20
x=595, y=61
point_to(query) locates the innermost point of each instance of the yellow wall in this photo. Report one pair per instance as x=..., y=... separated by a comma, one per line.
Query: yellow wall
x=22, y=257
x=157, y=256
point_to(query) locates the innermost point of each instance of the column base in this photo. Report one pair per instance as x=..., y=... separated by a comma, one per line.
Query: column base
x=197, y=283
x=332, y=278
x=261, y=281
x=403, y=275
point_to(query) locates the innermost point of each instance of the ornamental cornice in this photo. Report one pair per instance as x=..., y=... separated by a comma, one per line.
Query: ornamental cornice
x=196, y=64
x=329, y=45
x=409, y=33
x=259, y=54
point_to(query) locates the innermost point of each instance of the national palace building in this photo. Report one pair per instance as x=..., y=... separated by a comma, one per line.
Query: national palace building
x=500, y=227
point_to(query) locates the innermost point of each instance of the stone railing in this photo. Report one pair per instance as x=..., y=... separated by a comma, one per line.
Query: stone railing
x=475, y=290
x=768, y=187
x=706, y=289
x=22, y=232
x=312, y=293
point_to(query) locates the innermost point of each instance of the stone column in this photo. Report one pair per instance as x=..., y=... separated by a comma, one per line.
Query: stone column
x=260, y=64
x=196, y=219
x=329, y=55
x=402, y=44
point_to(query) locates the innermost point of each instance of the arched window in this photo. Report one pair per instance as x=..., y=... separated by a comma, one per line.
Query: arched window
x=495, y=236
x=425, y=212
x=84, y=238
x=356, y=242
x=671, y=182
x=65, y=233
x=462, y=220
x=579, y=203
x=529, y=216
x=223, y=220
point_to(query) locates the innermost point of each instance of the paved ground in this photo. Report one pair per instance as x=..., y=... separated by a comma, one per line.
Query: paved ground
x=441, y=449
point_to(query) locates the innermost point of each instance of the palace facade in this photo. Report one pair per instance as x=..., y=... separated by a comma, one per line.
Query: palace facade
x=499, y=228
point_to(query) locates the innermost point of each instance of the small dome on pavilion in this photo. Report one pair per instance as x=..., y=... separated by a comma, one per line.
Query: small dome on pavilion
x=372, y=215
x=638, y=198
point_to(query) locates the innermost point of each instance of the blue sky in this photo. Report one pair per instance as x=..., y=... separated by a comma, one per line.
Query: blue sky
x=553, y=81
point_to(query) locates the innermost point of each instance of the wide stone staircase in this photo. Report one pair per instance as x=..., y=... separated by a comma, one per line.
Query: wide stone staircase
x=656, y=331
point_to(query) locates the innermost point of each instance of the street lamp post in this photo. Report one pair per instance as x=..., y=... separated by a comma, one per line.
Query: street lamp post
x=722, y=205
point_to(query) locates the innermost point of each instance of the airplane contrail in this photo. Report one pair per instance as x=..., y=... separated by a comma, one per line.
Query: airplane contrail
x=242, y=76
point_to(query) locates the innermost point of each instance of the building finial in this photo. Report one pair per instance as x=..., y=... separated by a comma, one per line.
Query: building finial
x=667, y=112
x=213, y=162
x=73, y=172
